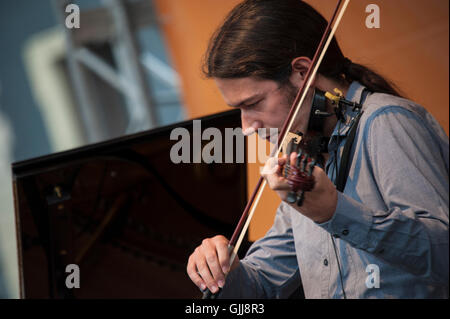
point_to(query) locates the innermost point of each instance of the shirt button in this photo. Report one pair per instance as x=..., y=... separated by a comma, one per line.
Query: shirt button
x=345, y=232
x=325, y=262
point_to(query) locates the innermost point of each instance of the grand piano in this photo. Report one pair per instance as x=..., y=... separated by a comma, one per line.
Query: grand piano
x=123, y=214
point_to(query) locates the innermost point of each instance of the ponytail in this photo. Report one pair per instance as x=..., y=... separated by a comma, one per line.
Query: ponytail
x=367, y=77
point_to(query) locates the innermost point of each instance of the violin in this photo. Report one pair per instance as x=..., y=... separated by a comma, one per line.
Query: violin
x=299, y=176
x=308, y=148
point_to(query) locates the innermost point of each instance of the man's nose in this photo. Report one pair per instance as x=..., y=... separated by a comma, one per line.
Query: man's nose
x=249, y=124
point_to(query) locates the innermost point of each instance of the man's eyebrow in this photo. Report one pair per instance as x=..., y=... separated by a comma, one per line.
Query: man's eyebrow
x=251, y=98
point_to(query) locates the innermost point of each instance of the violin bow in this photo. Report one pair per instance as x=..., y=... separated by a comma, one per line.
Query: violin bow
x=246, y=217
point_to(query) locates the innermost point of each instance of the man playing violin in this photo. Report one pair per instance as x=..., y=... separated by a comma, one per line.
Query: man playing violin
x=392, y=214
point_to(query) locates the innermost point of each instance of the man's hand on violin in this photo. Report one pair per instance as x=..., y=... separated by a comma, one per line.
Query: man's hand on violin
x=209, y=263
x=319, y=204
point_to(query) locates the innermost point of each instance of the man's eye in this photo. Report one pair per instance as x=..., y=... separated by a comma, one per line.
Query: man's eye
x=251, y=105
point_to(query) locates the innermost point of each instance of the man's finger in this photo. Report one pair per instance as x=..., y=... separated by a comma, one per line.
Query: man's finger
x=195, y=275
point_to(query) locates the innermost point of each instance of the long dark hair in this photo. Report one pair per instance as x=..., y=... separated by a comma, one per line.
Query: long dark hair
x=260, y=38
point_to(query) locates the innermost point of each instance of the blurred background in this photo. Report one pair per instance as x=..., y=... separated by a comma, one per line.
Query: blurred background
x=135, y=65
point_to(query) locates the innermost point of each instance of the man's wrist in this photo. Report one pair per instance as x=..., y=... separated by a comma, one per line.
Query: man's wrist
x=318, y=211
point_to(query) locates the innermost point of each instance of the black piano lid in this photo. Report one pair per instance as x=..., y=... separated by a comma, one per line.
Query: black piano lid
x=25, y=167
x=123, y=213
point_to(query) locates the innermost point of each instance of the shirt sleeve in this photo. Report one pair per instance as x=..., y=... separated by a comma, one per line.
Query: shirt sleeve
x=411, y=175
x=270, y=268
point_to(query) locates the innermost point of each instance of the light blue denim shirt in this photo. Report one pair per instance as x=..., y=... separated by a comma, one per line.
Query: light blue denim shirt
x=390, y=225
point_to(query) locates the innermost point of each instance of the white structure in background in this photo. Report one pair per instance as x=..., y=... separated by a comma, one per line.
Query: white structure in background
x=51, y=92
x=115, y=22
x=9, y=271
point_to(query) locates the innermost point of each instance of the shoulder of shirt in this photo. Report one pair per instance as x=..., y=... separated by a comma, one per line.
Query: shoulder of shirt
x=400, y=109
x=390, y=105
x=381, y=102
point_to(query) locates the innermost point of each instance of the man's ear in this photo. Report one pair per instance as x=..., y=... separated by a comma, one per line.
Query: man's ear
x=299, y=66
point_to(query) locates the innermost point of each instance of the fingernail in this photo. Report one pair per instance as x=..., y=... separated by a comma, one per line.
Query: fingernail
x=225, y=269
x=214, y=289
x=203, y=287
x=220, y=283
